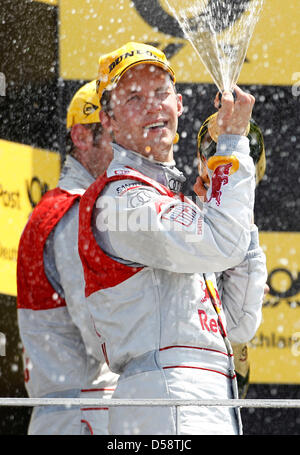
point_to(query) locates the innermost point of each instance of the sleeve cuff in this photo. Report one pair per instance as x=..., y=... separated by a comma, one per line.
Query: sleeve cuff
x=254, y=243
x=230, y=143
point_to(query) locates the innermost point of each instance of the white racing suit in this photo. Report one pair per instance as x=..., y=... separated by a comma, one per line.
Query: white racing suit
x=153, y=301
x=63, y=356
x=238, y=288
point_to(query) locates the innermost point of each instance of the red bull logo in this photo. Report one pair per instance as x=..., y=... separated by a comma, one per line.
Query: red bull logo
x=210, y=324
x=206, y=296
x=219, y=179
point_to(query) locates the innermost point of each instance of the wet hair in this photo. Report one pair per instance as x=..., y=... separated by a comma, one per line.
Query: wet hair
x=106, y=102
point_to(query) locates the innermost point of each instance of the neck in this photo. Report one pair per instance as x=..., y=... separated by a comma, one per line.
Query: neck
x=162, y=158
x=165, y=156
x=92, y=167
x=147, y=157
x=165, y=173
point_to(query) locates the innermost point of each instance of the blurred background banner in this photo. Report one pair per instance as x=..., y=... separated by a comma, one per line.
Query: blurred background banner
x=101, y=27
x=49, y=49
x=275, y=350
x=26, y=173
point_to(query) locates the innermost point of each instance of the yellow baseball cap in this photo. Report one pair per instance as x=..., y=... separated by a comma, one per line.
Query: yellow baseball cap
x=112, y=66
x=84, y=107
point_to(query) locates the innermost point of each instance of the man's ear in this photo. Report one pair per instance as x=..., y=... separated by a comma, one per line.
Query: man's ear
x=179, y=105
x=82, y=137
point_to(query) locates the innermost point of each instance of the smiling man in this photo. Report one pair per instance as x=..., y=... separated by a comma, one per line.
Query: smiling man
x=145, y=114
x=150, y=255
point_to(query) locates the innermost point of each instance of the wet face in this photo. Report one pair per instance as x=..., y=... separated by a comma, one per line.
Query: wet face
x=100, y=154
x=93, y=147
x=145, y=112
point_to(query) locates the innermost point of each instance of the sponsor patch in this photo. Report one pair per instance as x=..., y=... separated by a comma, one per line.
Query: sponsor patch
x=122, y=189
x=182, y=214
x=140, y=197
x=219, y=179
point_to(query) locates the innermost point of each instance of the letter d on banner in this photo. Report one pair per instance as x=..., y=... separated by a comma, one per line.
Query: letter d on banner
x=2, y=344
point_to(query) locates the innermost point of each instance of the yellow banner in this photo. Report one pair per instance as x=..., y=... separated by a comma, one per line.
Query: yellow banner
x=50, y=2
x=25, y=174
x=275, y=350
x=89, y=29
